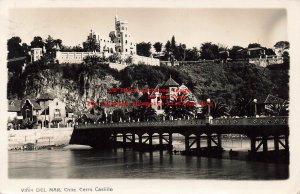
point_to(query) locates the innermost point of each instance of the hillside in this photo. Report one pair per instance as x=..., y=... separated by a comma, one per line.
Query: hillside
x=78, y=83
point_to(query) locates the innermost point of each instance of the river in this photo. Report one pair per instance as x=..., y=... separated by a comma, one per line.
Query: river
x=117, y=163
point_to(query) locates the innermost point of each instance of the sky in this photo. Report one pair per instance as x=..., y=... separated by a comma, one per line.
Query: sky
x=192, y=27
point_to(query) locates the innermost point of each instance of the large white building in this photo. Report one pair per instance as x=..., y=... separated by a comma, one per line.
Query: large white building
x=118, y=41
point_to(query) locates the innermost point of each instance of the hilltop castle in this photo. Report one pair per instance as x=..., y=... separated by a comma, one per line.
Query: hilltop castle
x=118, y=41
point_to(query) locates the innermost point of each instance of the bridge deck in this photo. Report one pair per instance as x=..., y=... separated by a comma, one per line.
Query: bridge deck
x=266, y=125
x=261, y=121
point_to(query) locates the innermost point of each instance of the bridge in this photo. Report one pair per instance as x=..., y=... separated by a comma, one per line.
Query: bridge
x=140, y=135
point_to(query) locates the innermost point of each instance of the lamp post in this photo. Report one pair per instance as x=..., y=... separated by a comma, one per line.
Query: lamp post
x=255, y=108
x=208, y=106
x=208, y=117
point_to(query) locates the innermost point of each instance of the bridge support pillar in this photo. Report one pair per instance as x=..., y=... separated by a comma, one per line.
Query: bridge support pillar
x=276, y=143
x=133, y=139
x=208, y=137
x=160, y=141
x=198, y=141
x=219, y=141
x=187, y=143
x=265, y=143
x=170, y=141
x=150, y=139
x=115, y=137
x=140, y=139
x=286, y=139
x=124, y=138
x=253, y=144
x=124, y=141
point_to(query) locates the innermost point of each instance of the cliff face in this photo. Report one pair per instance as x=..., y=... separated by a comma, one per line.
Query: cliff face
x=77, y=84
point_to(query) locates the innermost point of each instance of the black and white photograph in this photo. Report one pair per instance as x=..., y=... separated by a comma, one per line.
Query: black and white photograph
x=171, y=96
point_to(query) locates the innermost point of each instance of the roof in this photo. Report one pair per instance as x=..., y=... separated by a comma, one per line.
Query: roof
x=273, y=100
x=46, y=96
x=14, y=105
x=69, y=110
x=34, y=104
x=170, y=82
x=270, y=99
x=91, y=116
x=255, y=49
x=156, y=89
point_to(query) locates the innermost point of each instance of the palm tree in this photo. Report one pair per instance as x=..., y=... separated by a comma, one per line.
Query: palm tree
x=277, y=109
x=243, y=107
x=181, y=106
x=217, y=109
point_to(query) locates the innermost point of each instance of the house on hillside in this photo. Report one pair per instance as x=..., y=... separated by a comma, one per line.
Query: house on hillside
x=45, y=111
x=14, y=113
x=271, y=105
x=170, y=91
x=53, y=111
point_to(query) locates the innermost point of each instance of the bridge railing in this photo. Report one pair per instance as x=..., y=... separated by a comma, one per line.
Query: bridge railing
x=145, y=123
x=279, y=120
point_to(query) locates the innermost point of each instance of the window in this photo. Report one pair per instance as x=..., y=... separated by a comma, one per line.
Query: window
x=122, y=28
x=126, y=50
x=126, y=41
x=56, y=103
x=57, y=113
x=125, y=35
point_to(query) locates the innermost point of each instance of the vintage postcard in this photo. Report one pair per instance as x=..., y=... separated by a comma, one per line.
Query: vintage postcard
x=149, y=97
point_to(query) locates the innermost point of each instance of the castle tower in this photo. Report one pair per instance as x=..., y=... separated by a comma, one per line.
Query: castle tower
x=123, y=40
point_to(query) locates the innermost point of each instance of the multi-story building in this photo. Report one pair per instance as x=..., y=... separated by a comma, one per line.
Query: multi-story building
x=123, y=40
x=170, y=91
x=45, y=111
x=118, y=41
x=36, y=54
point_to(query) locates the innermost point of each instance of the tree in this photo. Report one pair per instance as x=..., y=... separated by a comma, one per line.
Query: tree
x=217, y=109
x=180, y=52
x=282, y=46
x=243, y=107
x=237, y=52
x=281, y=109
x=115, y=58
x=167, y=50
x=254, y=45
x=173, y=44
x=129, y=60
x=209, y=51
x=118, y=115
x=286, y=57
x=37, y=42
x=143, y=49
x=158, y=47
x=180, y=106
x=192, y=54
x=91, y=45
x=14, y=48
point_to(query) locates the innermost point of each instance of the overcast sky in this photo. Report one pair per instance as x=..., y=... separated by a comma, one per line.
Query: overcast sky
x=190, y=26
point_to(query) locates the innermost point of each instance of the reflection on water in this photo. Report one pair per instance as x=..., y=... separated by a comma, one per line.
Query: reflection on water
x=117, y=163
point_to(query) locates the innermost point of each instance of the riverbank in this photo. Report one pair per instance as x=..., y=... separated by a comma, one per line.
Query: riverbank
x=48, y=138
